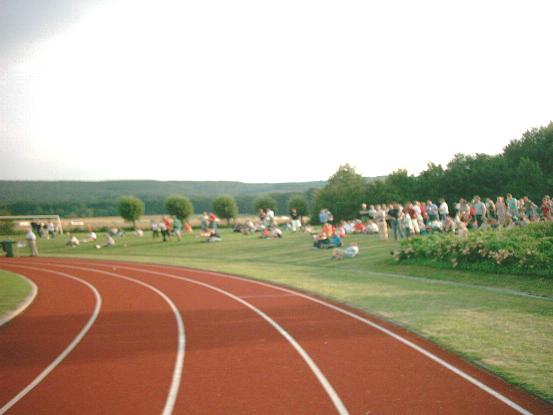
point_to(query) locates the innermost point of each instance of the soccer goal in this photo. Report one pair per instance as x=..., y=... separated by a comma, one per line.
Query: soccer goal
x=24, y=221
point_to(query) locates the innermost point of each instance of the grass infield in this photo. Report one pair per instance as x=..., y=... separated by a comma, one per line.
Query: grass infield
x=501, y=322
x=13, y=290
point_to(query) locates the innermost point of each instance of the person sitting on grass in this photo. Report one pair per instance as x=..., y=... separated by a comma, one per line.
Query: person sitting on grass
x=72, y=241
x=272, y=232
x=324, y=241
x=213, y=236
x=351, y=251
x=91, y=237
x=109, y=240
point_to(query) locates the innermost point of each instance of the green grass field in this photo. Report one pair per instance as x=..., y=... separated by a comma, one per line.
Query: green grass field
x=501, y=322
x=13, y=289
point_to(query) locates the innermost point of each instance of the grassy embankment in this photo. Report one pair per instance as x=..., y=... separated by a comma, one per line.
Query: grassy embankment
x=501, y=322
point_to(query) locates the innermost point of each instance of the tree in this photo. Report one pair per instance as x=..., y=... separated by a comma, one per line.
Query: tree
x=130, y=208
x=6, y=226
x=179, y=206
x=343, y=194
x=225, y=207
x=300, y=203
x=264, y=202
x=528, y=180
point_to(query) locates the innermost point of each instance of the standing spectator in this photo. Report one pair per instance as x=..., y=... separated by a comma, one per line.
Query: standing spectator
x=155, y=229
x=424, y=213
x=380, y=218
x=530, y=209
x=212, y=224
x=395, y=215
x=51, y=230
x=410, y=210
x=364, y=212
x=31, y=240
x=546, y=208
x=270, y=217
x=501, y=211
x=372, y=212
x=479, y=211
x=512, y=206
x=323, y=217
x=443, y=209
x=204, y=221
x=490, y=209
x=432, y=211
x=464, y=210
x=407, y=224
x=295, y=219
x=177, y=228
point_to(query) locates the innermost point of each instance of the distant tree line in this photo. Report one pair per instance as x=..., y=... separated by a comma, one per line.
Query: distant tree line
x=152, y=206
x=525, y=168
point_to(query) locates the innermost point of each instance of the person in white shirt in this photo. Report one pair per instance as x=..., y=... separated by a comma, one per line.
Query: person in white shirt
x=72, y=241
x=351, y=251
x=443, y=209
x=31, y=240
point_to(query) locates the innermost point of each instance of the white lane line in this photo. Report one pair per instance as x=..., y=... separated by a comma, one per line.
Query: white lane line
x=179, y=361
x=399, y=338
x=68, y=349
x=340, y=407
x=22, y=306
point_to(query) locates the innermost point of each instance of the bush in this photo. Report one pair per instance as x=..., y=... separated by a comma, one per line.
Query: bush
x=524, y=250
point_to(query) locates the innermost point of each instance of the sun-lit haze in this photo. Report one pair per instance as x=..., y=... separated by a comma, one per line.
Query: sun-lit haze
x=261, y=91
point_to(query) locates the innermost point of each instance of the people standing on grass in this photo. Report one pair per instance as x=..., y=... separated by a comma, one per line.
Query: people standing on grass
x=512, y=207
x=443, y=210
x=31, y=241
x=380, y=218
x=295, y=221
x=546, y=208
x=177, y=228
x=501, y=210
x=479, y=211
x=395, y=216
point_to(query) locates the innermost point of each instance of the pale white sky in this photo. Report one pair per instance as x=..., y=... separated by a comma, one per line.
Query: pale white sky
x=260, y=91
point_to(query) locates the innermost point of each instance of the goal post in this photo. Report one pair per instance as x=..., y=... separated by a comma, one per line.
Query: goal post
x=55, y=218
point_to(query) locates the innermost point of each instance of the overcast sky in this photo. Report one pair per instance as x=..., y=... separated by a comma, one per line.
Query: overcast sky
x=261, y=91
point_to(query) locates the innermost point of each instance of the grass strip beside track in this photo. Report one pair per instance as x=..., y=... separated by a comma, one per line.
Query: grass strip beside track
x=13, y=291
x=496, y=321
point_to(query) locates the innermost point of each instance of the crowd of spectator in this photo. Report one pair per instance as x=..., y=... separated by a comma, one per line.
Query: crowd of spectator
x=420, y=218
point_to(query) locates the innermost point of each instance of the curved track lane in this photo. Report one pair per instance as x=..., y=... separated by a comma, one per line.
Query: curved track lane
x=239, y=362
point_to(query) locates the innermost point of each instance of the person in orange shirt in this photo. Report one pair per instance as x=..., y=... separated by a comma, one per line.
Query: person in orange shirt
x=328, y=229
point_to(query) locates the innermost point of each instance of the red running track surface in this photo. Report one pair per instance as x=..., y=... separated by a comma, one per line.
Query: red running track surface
x=236, y=361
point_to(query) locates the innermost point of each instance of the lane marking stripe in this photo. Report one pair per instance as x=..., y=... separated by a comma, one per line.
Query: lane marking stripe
x=69, y=348
x=339, y=405
x=399, y=338
x=179, y=361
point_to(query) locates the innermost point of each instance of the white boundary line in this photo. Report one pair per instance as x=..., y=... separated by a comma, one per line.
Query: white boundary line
x=22, y=306
x=68, y=349
x=339, y=405
x=179, y=361
x=397, y=337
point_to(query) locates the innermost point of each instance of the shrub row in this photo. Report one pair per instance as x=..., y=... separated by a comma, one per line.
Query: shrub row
x=523, y=250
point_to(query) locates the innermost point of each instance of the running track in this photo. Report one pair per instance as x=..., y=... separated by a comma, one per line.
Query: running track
x=123, y=338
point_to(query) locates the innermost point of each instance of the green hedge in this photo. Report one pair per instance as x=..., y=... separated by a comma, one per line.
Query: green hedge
x=524, y=250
